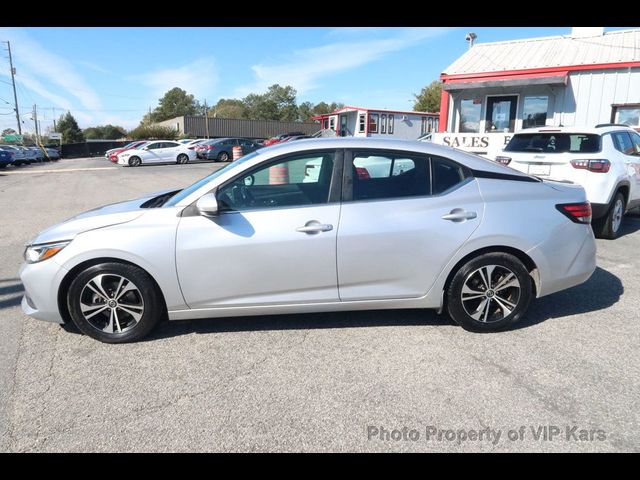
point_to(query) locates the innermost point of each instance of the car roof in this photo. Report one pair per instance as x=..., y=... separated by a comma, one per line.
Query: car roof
x=596, y=130
x=470, y=160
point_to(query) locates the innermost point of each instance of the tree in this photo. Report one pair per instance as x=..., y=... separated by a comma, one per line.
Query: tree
x=428, y=100
x=277, y=103
x=305, y=112
x=104, y=132
x=153, y=132
x=175, y=103
x=228, y=108
x=68, y=126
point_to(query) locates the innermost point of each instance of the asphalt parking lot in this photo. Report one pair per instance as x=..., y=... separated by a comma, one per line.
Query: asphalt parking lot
x=355, y=381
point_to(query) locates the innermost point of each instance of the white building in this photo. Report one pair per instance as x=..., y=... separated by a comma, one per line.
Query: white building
x=368, y=122
x=585, y=78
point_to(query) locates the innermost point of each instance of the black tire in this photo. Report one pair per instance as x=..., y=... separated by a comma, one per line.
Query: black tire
x=496, y=317
x=132, y=329
x=135, y=162
x=182, y=158
x=609, y=226
x=223, y=157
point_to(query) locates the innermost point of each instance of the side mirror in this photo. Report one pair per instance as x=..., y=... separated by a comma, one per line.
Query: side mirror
x=207, y=205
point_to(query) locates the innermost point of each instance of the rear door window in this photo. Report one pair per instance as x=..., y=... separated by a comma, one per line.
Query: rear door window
x=377, y=176
x=446, y=175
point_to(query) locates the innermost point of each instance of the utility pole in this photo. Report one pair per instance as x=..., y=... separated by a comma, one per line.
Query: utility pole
x=35, y=121
x=13, y=82
x=206, y=118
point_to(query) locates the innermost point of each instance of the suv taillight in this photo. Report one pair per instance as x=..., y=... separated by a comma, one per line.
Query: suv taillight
x=597, y=166
x=503, y=160
x=576, y=212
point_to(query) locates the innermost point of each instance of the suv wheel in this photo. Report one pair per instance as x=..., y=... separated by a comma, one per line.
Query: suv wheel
x=609, y=226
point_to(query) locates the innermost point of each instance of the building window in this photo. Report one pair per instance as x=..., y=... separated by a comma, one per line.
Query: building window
x=373, y=122
x=332, y=123
x=470, y=110
x=627, y=115
x=361, y=123
x=325, y=123
x=423, y=126
x=390, y=126
x=383, y=123
x=534, y=113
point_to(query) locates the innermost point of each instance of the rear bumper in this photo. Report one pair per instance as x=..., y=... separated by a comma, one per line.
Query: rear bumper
x=565, y=260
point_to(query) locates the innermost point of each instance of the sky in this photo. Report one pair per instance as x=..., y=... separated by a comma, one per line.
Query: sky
x=115, y=75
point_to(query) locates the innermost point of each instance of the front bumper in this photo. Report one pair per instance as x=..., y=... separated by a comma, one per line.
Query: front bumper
x=41, y=284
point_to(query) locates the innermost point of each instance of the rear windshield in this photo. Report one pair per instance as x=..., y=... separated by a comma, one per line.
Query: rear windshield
x=554, y=143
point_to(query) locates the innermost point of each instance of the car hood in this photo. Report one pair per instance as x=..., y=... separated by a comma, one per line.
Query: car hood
x=100, y=217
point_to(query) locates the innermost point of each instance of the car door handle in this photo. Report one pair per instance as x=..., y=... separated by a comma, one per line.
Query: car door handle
x=459, y=215
x=314, y=226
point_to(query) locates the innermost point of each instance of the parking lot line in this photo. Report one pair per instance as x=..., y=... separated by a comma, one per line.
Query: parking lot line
x=61, y=170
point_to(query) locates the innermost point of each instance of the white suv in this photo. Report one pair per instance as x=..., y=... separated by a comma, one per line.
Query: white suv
x=604, y=159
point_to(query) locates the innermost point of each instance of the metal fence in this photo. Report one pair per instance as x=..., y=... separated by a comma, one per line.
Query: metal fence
x=232, y=127
x=89, y=149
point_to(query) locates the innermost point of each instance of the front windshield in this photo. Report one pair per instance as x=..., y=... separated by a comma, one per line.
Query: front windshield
x=182, y=194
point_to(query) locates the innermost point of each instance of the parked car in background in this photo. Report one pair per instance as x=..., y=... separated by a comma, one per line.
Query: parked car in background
x=280, y=138
x=113, y=156
x=157, y=151
x=294, y=137
x=133, y=144
x=193, y=144
x=18, y=155
x=604, y=159
x=39, y=153
x=221, y=149
x=438, y=232
x=186, y=141
x=30, y=154
x=6, y=158
x=53, y=153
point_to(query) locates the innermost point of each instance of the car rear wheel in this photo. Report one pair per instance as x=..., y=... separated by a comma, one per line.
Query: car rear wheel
x=183, y=158
x=114, y=302
x=609, y=226
x=135, y=162
x=223, y=157
x=489, y=293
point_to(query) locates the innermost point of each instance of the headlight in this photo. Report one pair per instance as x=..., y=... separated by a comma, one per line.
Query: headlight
x=38, y=253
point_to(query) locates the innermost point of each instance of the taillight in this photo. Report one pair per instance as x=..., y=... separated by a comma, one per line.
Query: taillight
x=209, y=147
x=576, y=212
x=503, y=160
x=597, y=166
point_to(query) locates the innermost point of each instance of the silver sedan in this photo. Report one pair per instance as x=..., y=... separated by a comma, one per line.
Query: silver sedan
x=317, y=226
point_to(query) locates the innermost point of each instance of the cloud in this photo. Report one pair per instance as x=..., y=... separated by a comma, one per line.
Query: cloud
x=305, y=69
x=93, y=66
x=198, y=78
x=33, y=60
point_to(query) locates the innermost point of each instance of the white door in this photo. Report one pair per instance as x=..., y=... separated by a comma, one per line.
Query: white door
x=400, y=228
x=274, y=240
x=153, y=153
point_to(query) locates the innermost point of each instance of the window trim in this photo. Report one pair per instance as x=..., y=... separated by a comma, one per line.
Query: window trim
x=390, y=126
x=362, y=123
x=377, y=122
x=524, y=104
x=347, y=179
x=616, y=106
x=335, y=185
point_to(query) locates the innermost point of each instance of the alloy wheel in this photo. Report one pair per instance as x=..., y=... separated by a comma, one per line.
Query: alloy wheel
x=490, y=293
x=111, y=303
x=616, y=218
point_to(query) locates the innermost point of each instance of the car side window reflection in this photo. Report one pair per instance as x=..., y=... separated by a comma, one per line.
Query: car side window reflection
x=389, y=176
x=298, y=181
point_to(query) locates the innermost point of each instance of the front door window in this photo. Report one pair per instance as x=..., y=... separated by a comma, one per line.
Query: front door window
x=501, y=113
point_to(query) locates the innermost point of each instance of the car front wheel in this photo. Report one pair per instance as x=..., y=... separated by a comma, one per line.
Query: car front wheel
x=489, y=293
x=114, y=302
x=135, y=162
